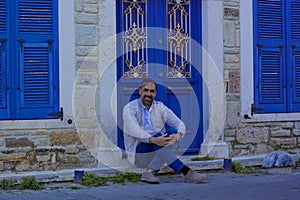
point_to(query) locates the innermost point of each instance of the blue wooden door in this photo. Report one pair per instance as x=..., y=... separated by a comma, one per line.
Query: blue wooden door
x=160, y=39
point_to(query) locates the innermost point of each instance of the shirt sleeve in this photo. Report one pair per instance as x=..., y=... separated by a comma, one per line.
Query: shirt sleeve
x=131, y=124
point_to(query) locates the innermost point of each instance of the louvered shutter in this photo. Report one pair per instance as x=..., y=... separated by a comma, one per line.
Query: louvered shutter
x=269, y=69
x=36, y=38
x=294, y=53
x=3, y=66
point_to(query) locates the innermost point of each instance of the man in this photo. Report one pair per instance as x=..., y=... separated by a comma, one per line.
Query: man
x=146, y=141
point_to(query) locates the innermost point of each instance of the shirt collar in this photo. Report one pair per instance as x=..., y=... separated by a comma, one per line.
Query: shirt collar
x=144, y=106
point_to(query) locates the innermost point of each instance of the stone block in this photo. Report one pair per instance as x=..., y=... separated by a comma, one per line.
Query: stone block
x=40, y=140
x=229, y=133
x=87, y=64
x=232, y=58
x=297, y=125
x=296, y=132
x=252, y=135
x=229, y=139
x=64, y=137
x=23, y=166
x=84, y=18
x=85, y=103
x=262, y=149
x=231, y=13
x=229, y=34
x=91, y=8
x=234, y=81
x=86, y=35
x=43, y=158
x=232, y=117
x=283, y=141
x=287, y=125
x=68, y=159
x=88, y=138
x=72, y=150
x=12, y=157
x=87, y=78
x=87, y=51
x=281, y=133
x=78, y=5
x=18, y=142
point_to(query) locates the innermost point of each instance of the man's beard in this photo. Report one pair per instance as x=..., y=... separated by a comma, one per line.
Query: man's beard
x=147, y=101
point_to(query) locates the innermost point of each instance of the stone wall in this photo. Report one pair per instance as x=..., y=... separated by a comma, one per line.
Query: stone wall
x=43, y=149
x=254, y=137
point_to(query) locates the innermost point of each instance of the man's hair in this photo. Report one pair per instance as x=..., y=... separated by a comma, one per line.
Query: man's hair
x=146, y=81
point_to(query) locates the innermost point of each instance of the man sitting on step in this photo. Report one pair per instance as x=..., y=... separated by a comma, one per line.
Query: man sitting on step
x=146, y=141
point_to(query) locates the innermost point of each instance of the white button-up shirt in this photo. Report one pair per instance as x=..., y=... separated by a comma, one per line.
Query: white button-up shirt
x=134, y=119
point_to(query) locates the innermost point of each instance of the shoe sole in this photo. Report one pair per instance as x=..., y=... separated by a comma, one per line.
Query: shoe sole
x=151, y=182
x=199, y=181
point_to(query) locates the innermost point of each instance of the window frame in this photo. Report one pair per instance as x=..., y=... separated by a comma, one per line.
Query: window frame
x=247, y=73
x=67, y=63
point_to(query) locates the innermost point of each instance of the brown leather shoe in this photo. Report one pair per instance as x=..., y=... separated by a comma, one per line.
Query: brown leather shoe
x=195, y=177
x=149, y=177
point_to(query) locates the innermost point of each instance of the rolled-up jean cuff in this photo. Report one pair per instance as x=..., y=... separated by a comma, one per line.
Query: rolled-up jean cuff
x=177, y=165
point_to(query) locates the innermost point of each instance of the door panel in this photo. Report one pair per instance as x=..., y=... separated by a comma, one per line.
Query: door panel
x=157, y=40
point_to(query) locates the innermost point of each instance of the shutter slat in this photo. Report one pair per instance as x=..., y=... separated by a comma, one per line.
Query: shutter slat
x=270, y=19
x=3, y=16
x=295, y=19
x=271, y=76
x=36, y=78
x=2, y=81
x=35, y=16
x=296, y=76
x=3, y=68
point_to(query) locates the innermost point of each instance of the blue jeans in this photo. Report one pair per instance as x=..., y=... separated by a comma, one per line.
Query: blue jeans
x=154, y=157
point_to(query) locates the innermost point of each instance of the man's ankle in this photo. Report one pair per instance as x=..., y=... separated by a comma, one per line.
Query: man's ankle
x=150, y=170
x=185, y=170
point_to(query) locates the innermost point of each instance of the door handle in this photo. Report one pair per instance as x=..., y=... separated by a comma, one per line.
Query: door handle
x=160, y=41
x=160, y=74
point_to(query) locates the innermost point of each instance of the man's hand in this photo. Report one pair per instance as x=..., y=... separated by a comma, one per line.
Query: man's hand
x=162, y=141
x=166, y=140
x=175, y=138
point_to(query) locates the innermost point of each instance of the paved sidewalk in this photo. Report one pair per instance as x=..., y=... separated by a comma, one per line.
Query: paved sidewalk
x=219, y=186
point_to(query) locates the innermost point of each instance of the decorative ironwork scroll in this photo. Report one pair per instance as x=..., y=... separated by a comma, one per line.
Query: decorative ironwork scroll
x=134, y=39
x=178, y=39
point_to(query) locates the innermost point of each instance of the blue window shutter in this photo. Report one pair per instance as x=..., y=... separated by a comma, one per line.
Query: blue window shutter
x=37, y=37
x=294, y=55
x=295, y=87
x=269, y=23
x=3, y=80
x=36, y=76
x=270, y=90
x=3, y=66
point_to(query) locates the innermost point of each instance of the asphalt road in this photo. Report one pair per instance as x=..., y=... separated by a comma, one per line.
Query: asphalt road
x=219, y=186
